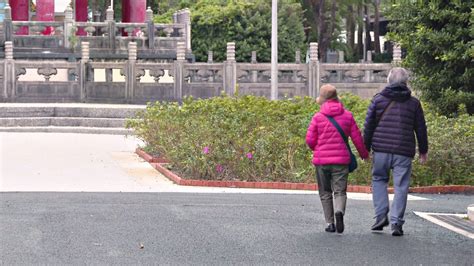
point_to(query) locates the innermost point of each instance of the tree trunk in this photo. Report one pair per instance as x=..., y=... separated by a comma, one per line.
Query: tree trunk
x=360, y=45
x=322, y=31
x=368, y=39
x=333, y=21
x=377, y=26
x=350, y=29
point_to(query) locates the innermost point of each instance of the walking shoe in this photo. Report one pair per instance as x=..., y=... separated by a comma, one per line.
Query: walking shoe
x=397, y=230
x=380, y=223
x=339, y=222
x=331, y=228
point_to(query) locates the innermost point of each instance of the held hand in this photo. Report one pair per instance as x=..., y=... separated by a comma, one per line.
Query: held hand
x=368, y=159
x=423, y=158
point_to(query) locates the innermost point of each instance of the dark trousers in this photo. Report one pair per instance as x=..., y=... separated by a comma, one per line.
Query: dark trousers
x=332, y=179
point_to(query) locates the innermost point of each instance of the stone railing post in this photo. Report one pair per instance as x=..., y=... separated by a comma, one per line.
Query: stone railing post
x=397, y=54
x=9, y=77
x=151, y=28
x=298, y=57
x=368, y=72
x=130, y=76
x=7, y=23
x=313, y=70
x=83, y=77
x=68, y=28
x=253, y=60
x=253, y=57
x=230, y=70
x=178, y=70
x=340, y=58
x=186, y=19
x=109, y=17
x=210, y=56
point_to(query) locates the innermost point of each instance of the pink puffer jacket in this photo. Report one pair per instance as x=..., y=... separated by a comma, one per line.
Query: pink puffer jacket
x=324, y=139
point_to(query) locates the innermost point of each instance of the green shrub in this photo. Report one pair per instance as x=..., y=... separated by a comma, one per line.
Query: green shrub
x=451, y=151
x=254, y=139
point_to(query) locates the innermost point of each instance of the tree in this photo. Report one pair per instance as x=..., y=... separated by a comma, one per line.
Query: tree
x=246, y=22
x=376, y=4
x=324, y=24
x=438, y=38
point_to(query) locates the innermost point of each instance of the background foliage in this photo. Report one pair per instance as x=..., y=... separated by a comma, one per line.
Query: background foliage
x=252, y=138
x=439, y=39
x=245, y=22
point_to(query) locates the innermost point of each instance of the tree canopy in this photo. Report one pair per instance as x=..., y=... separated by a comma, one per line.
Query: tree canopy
x=438, y=38
x=245, y=22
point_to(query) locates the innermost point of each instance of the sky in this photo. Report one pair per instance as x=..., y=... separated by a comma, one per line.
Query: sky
x=59, y=5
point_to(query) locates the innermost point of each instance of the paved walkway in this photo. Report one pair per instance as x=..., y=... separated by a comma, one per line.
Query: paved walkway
x=49, y=222
x=215, y=229
x=58, y=162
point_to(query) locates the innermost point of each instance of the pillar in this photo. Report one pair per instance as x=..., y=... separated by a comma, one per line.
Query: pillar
x=313, y=71
x=230, y=70
x=133, y=11
x=397, y=54
x=45, y=12
x=85, y=57
x=178, y=71
x=9, y=78
x=20, y=12
x=131, y=68
x=274, y=55
x=81, y=15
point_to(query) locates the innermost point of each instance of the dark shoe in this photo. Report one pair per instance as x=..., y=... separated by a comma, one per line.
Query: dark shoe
x=397, y=230
x=339, y=222
x=380, y=223
x=331, y=228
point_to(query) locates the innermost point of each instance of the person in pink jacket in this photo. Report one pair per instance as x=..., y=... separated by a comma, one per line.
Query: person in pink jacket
x=331, y=156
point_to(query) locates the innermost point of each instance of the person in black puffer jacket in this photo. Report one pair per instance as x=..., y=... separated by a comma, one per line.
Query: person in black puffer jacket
x=393, y=120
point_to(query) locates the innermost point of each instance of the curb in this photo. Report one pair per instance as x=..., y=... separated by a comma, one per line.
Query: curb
x=158, y=163
x=147, y=157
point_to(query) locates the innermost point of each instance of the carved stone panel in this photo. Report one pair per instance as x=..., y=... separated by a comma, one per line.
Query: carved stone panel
x=47, y=72
x=353, y=75
x=19, y=71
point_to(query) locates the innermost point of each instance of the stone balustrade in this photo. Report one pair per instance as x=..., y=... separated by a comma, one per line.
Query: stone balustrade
x=107, y=39
x=134, y=80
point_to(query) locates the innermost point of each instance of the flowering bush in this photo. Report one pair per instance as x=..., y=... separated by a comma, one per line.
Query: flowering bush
x=254, y=139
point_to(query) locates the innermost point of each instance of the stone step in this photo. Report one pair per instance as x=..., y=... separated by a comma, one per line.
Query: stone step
x=83, y=130
x=61, y=122
x=69, y=110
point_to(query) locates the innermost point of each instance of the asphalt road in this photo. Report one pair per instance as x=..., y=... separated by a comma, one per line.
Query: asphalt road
x=216, y=229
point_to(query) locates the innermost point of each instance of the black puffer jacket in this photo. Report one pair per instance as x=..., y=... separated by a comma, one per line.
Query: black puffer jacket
x=395, y=133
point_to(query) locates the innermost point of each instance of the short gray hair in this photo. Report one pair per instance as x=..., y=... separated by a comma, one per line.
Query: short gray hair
x=398, y=75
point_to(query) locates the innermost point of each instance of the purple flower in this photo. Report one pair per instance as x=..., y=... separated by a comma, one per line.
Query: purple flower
x=219, y=168
x=249, y=155
x=205, y=150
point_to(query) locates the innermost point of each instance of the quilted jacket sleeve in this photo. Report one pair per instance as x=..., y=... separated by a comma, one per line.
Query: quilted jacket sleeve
x=421, y=131
x=356, y=137
x=312, y=134
x=369, y=126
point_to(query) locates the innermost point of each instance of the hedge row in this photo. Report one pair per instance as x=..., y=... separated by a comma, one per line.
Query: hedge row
x=254, y=139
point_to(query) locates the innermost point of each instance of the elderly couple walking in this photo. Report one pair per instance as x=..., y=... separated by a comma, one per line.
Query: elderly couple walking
x=393, y=120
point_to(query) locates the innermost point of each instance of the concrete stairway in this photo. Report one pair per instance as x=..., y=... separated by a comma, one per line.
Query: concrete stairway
x=66, y=118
